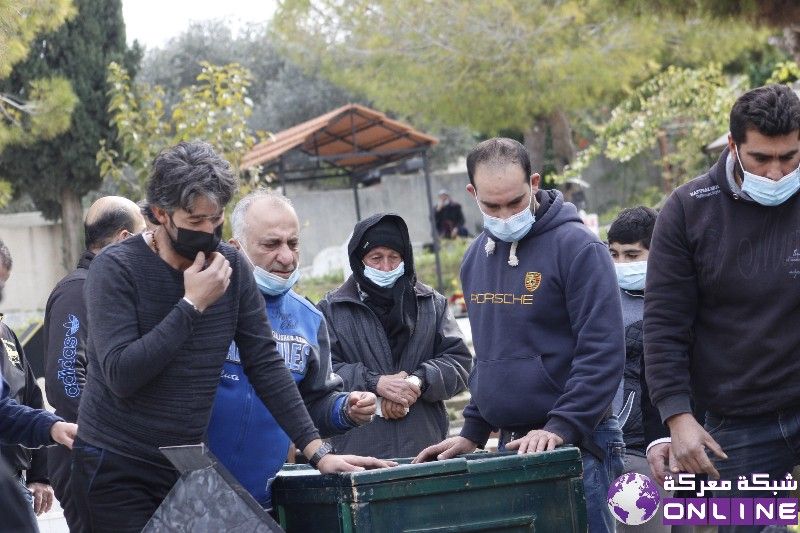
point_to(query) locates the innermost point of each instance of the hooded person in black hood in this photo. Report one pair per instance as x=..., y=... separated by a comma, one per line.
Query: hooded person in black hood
x=394, y=336
x=393, y=305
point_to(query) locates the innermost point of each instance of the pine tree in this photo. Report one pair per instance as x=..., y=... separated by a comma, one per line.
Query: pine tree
x=57, y=173
x=46, y=110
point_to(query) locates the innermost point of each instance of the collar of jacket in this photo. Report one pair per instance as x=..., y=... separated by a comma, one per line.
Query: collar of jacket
x=85, y=259
x=348, y=292
x=719, y=175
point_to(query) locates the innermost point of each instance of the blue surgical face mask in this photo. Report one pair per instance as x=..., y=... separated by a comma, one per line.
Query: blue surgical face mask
x=271, y=284
x=512, y=228
x=769, y=192
x=384, y=279
x=631, y=276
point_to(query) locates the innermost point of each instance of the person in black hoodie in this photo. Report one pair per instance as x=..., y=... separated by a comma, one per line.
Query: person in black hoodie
x=109, y=220
x=546, y=320
x=723, y=301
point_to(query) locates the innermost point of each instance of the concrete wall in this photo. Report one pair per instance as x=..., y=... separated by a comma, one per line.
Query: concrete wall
x=35, y=245
x=328, y=217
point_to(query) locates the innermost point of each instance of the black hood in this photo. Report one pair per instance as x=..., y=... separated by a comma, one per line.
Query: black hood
x=395, y=307
x=356, y=258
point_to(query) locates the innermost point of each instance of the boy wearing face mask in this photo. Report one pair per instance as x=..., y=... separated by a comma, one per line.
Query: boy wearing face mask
x=629, y=245
x=396, y=337
x=546, y=323
x=723, y=299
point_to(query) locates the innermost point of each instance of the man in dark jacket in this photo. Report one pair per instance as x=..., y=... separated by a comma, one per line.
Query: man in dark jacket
x=32, y=428
x=449, y=217
x=723, y=297
x=28, y=466
x=544, y=307
x=396, y=337
x=109, y=220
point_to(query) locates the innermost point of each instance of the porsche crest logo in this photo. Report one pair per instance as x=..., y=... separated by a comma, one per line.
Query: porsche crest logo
x=532, y=280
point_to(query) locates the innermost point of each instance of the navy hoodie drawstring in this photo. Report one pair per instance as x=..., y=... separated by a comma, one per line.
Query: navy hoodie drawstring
x=490, y=245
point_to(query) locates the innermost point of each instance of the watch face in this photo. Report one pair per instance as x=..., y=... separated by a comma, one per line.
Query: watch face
x=322, y=451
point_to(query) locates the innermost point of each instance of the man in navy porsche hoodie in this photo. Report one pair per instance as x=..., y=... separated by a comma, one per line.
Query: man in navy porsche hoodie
x=546, y=320
x=242, y=433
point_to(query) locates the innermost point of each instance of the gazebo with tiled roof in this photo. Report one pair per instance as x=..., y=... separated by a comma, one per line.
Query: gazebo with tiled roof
x=352, y=141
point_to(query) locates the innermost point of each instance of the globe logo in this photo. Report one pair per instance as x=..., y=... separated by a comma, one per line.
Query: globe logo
x=633, y=499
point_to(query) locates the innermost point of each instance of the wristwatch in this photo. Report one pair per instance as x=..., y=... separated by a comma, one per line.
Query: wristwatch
x=322, y=451
x=415, y=380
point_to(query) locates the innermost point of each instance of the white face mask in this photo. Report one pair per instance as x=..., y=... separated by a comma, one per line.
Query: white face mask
x=769, y=192
x=384, y=279
x=631, y=276
x=512, y=228
x=272, y=284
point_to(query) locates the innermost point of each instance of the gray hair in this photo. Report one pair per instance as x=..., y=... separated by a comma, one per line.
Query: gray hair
x=186, y=171
x=239, y=228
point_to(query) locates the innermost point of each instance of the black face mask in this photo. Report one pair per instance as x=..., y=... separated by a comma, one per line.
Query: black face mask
x=189, y=242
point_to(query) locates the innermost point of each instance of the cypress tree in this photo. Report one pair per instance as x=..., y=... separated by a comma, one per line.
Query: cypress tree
x=57, y=173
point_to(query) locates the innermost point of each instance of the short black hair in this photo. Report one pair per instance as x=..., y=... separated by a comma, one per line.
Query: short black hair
x=102, y=231
x=185, y=172
x=498, y=150
x=5, y=256
x=632, y=225
x=771, y=109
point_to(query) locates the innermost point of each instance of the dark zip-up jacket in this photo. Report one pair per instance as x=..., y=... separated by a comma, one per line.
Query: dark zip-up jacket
x=723, y=301
x=633, y=429
x=19, y=424
x=359, y=347
x=65, y=363
x=65, y=341
x=23, y=388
